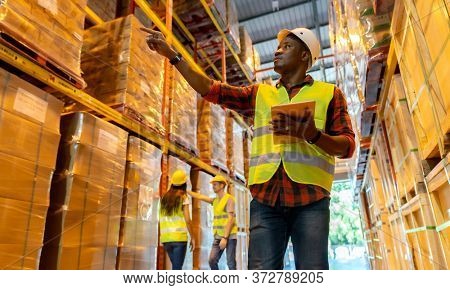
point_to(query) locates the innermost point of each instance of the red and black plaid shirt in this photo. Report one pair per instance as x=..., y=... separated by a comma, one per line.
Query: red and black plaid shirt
x=290, y=193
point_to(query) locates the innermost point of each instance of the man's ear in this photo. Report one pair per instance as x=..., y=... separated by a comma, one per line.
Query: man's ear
x=305, y=56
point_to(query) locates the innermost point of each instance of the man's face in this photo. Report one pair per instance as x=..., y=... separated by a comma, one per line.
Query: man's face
x=289, y=55
x=217, y=186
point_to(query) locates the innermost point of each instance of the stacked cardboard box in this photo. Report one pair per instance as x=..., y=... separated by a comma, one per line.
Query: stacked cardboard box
x=82, y=228
x=138, y=242
x=211, y=134
x=402, y=140
x=421, y=58
x=29, y=137
x=434, y=24
x=183, y=125
x=174, y=164
x=54, y=29
x=122, y=71
x=106, y=10
x=249, y=57
x=202, y=218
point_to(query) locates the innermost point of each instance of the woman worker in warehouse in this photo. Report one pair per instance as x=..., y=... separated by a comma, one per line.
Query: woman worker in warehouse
x=175, y=220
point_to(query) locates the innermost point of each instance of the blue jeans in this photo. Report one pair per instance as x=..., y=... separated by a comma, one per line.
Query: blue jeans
x=271, y=228
x=216, y=253
x=177, y=253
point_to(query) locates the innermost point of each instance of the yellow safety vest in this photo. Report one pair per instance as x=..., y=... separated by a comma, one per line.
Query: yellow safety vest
x=221, y=216
x=304, y=163
x=173, y=228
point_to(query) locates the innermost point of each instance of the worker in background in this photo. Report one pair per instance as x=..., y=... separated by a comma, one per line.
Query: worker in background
x=224, y=223
x=290, y=183
x=175, y=220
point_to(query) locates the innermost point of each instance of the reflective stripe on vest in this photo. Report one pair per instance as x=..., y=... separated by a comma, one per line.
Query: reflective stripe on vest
x=221, y=216
x=173, y=228
x=303, y=163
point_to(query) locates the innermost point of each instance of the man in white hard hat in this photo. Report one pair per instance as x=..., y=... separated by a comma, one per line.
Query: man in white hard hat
x=290, y=182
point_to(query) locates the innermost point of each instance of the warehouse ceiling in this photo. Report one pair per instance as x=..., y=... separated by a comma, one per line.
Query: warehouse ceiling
x=264, y=18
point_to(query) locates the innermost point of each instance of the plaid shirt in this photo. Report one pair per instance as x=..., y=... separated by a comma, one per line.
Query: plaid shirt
x=280, y=186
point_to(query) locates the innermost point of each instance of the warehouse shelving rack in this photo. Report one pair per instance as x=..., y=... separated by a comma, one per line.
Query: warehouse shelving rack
x=424, y=214
x=56, y=82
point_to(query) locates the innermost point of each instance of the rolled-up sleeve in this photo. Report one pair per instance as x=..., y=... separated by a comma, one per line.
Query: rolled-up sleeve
x=339, y=122
x=239, y=99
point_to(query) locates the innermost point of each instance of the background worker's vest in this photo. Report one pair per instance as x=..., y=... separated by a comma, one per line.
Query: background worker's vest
x=221, y=215
x=173, y=228
x=304, y=163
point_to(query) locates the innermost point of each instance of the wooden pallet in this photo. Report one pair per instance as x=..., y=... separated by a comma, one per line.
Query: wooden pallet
x=423, y=240
x=401, y=249
x=386, y=239
x=439, y=187
x=184, y=144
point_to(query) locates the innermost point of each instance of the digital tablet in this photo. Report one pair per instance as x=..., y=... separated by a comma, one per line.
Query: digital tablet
x=296, y=110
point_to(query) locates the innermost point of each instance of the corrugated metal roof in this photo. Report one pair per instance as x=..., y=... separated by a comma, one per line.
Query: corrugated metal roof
x=263, y=24
x=250, y=8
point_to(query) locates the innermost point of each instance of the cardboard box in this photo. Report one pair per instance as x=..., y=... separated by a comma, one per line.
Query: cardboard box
x=87, y=129
x=21, y=233
x=23, y=180
x=138, y=258
x=88, y=258
x=91, y=162
x=31, y=142
x=22, y=99
x=86, y=194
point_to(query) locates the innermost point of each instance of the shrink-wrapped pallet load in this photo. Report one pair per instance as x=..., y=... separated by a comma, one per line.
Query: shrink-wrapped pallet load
x=138, y=242
x=122, y=72
x=202, y=218
x=29, y=137
x=82, y=227
x=53, y=29
x=183, y=126
x=211, y=134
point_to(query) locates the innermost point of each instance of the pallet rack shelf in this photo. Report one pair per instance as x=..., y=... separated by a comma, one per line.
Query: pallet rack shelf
x=27, y=66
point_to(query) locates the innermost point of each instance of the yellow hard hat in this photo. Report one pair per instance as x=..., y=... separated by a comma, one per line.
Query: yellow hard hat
x=219, y=178
x=179, y=177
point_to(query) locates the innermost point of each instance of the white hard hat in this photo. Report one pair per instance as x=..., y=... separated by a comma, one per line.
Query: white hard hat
x=305, y=35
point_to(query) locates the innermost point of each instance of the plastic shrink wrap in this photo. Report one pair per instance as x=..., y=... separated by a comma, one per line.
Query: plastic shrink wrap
x=52, y=28
x=82, y=227
x=122, y=72
x=27, y=162
x=138, y=242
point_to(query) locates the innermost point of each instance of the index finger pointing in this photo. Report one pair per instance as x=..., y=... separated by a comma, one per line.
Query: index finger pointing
x=148, y=30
